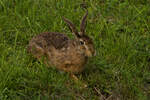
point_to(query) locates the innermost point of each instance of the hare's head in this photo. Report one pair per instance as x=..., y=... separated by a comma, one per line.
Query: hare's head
x=85, y=42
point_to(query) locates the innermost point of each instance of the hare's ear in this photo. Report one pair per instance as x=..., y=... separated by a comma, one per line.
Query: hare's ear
x=71, y=27
x=83, y=24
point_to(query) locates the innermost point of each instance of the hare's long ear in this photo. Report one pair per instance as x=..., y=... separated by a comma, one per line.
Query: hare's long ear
x=83, y=24
x=71, y=26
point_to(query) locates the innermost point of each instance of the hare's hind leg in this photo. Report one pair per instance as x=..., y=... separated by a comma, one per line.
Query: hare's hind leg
x=74, y=77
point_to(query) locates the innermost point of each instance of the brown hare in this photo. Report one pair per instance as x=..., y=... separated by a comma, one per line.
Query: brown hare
x=58, y=50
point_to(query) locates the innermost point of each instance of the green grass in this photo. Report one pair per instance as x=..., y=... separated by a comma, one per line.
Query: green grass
x=120, y=30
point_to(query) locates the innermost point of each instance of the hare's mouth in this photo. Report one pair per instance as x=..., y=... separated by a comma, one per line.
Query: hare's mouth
x=88, y=53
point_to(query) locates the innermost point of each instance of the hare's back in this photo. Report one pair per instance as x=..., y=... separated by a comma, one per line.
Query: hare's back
x=57, y=40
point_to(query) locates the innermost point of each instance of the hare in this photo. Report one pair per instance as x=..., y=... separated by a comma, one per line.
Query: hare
x=58, y=50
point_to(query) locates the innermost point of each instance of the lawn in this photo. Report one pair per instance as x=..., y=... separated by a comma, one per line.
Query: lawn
x=120, y=30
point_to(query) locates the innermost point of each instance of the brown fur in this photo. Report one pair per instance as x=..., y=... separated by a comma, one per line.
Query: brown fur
x=58, y=40
x=60, y=51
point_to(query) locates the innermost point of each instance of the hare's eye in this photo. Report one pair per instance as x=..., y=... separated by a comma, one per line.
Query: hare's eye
x=81, y=42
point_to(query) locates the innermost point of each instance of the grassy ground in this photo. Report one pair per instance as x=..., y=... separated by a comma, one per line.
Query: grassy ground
x=120, y=30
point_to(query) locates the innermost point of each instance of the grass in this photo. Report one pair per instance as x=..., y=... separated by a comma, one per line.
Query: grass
x=120, y=30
